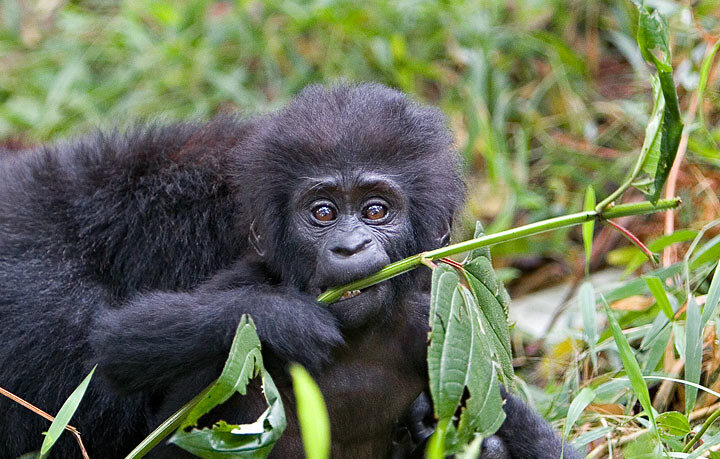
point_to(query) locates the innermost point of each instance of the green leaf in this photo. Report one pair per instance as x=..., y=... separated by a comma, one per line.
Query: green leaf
x=62, y=419
x=712, y=298
x=650, y=151
x=225, y=440
x=647, y=446
x=660, y=145
x=581, y=441
x=583, y=399
x=631, y=366
x=493, y=299
x=243, y=363
x=638, y=286
x=586, y=297
x=656, y=288
x=673, y=424
x=472, y=450
x=702, y=130
x=666, y=240
x=633, y=258
x=679, y=337
x=481, y=278
x=693, y=352
x=312, y=414
x=710, y=251
x=589, y=227
x=652, y=36
x=658, y=325
x=656, y=350
x=460, y=361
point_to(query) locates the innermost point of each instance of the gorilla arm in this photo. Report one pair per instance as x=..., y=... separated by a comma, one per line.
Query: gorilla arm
x=160, y=336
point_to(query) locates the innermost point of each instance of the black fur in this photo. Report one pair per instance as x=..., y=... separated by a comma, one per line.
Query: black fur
x=133, y=251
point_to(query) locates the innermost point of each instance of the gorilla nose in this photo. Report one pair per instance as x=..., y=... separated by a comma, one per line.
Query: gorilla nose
x=351, y=246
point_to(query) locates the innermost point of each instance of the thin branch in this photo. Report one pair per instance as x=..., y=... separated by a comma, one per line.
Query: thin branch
x=407, y=264
x=50, y=418
x=453, y=263
x=632, y=238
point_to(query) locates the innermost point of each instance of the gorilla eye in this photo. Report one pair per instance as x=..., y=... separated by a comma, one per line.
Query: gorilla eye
x=324, y=213
x=375, y=212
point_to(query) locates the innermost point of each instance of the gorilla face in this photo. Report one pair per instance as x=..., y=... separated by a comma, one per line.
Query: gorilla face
x=352, y=221
x=364, y=177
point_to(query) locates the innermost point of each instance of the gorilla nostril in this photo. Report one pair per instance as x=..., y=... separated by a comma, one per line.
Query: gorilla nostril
x=351, y=249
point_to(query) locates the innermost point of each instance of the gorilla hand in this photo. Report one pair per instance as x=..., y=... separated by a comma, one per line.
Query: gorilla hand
x=295, y=327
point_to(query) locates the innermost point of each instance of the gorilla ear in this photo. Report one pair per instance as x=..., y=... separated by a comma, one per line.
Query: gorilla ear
x=256, y=241
x=444, y=238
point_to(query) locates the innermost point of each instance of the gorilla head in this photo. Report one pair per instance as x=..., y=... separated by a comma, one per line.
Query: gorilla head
x=363, y=178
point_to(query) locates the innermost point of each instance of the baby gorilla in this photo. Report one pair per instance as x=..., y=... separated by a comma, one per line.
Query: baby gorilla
x=141, y=251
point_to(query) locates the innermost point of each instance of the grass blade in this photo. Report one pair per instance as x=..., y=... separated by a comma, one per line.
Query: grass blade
x=712, y=298
x=587, y=309
x=312, y=414
x=656, y=288
x=631, y=366
x=64, y=415
x=693, y=352
x=577, y=406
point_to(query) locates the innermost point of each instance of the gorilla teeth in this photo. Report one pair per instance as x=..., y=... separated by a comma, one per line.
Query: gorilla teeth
x=350, y=294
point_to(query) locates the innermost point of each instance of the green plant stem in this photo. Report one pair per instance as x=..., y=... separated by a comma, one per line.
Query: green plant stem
x=407, y=264
x=167, y=427
x=708, y=422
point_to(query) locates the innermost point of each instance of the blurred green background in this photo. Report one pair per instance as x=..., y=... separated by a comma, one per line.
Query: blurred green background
x=544, y=96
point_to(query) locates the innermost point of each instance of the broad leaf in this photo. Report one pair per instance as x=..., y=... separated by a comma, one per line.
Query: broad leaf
x=673, y=424
x=493, y=299
x=469, y=341
x=460, y=361
x=225, y=440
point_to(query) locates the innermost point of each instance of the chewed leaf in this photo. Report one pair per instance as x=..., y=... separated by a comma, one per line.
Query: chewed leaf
x=225, y=440
x=652, y=36
x=662, y=135
x=650, y=152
